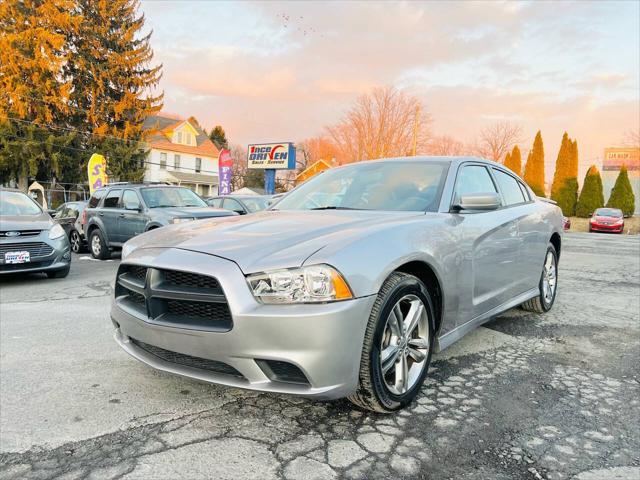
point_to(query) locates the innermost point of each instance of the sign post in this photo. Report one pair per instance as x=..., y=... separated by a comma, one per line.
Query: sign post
x=225, y=169
x=271, y=157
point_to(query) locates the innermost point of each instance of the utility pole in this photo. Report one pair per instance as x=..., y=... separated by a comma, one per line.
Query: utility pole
x=415, y=130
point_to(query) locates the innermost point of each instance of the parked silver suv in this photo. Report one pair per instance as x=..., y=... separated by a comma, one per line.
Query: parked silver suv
x=119, y=212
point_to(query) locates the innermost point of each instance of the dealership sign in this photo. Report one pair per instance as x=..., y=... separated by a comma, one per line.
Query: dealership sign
x=277, y=156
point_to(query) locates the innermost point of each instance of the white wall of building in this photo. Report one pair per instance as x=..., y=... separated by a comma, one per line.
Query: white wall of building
x=154, y=173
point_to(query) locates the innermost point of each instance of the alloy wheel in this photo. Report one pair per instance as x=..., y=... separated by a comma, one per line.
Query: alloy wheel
x=549, y=277
x=405, y=344
x=75, y=242
x=96, y=245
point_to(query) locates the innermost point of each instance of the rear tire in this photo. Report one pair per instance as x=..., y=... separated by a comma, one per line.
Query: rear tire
x=98, y=246
x=59, y=273
x=396, y=355
x=75, y=240
x=548, y=280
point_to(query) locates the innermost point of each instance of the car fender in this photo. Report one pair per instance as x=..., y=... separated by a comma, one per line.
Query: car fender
x=95, y=222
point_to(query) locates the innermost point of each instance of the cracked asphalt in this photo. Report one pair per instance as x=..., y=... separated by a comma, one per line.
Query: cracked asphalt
x=524, y=397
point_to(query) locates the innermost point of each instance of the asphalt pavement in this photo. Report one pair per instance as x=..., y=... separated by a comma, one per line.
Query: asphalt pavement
x=524, y=397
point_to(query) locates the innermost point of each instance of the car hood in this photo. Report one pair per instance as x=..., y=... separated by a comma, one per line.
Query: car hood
x=268, y=239
x=26, y=222
x=196, y=212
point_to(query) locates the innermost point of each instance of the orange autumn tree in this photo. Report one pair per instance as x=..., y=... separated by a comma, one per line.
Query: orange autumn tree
x=34, y=94
x=534, y=168
x=513, y=161
x=113, y=82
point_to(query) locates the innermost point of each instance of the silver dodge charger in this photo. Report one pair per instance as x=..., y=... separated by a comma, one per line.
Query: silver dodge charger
x=347, y=285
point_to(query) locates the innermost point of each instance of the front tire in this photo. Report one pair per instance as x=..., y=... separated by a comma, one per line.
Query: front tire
x=397, y=345
x=548, y=285
x=98, y=245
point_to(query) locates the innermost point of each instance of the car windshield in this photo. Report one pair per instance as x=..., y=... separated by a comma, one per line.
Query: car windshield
x=16, y=204
x=256, y=204
x=159, y=197
x=608, y=212
x=391, y=185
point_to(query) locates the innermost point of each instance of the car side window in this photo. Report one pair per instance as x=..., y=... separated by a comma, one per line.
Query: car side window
x=233, y=204
x=215, y=202
x=509, y=187
x=73, y=211
x=525, y=192
x=95, y=198
x=130, y=197
x=474, y=179
x=112, y=199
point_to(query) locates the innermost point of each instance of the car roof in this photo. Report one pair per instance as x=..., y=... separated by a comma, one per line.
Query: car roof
x=454, y=160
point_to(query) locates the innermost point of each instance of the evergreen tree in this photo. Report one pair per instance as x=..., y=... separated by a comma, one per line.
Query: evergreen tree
x=622, y=196
x=534, y=169
x=34, y=46
x=513, y=161
x=591, y=195
x=219, y=137
x=112, y=74
x=563, y=166
x=507, y=159
x=567, y=197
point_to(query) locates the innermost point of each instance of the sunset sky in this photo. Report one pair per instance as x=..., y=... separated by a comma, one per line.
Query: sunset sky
x=281, y=71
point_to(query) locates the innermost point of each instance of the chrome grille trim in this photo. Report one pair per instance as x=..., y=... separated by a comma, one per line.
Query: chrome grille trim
x=35, y=249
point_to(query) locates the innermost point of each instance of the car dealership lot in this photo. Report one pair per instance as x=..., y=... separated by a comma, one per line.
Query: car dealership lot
x=526, y=396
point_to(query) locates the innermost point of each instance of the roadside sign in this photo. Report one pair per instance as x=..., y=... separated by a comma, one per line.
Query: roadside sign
x=97, y=171
x=276, y=156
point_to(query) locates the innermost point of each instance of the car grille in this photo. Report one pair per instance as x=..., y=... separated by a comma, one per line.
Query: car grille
x=173, y=298
x=35, y=249
x=188, y=360
x=23, y=233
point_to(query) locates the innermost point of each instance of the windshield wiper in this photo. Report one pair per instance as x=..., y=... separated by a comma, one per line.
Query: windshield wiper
x=335, y=208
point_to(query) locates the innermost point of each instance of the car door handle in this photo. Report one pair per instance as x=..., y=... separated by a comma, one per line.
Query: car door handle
x=101, y=214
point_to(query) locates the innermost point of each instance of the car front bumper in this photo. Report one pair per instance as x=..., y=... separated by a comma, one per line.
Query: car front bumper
x=606, y=228
x=59, y=257
x=323, y=340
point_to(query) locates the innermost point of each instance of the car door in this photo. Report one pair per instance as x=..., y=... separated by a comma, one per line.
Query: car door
x=110, y=213
x=489, y=245
x=132, y=217
x=533, y=246
x=233, y=205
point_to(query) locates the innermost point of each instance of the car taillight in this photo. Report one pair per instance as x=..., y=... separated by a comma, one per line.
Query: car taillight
x=83, y=220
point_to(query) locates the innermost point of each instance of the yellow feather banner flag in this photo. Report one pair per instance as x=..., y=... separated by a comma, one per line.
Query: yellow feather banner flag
x=97, y=171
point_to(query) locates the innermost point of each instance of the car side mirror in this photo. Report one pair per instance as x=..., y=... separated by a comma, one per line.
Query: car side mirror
x=132, y=206
x=240, y=212
x=478, y=202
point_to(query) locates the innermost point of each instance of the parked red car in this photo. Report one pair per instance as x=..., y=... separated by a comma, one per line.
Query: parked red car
x=607, y=220
x=566, y=223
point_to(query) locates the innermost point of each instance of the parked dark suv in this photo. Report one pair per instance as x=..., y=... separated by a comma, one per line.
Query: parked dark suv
x=118, y=212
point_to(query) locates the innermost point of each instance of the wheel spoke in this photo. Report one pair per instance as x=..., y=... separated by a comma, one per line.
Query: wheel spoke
x=389, y=358
x=402, y=374
x=395, y=323
x=419, y=343
x=417, y=355
x=398, y=314
x=415, y=312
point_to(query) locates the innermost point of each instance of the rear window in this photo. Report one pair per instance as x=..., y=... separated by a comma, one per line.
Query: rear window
x=509, y=187
x=112, y=199
x=95, y=198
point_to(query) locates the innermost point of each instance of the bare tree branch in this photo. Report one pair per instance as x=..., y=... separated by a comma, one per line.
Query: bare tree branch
x=497, y=139
x=384, y=123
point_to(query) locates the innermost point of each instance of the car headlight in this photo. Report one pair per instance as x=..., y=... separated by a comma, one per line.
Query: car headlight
x=619, y=222
x=181, y=219
x=312, y=284
x=56, y=232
